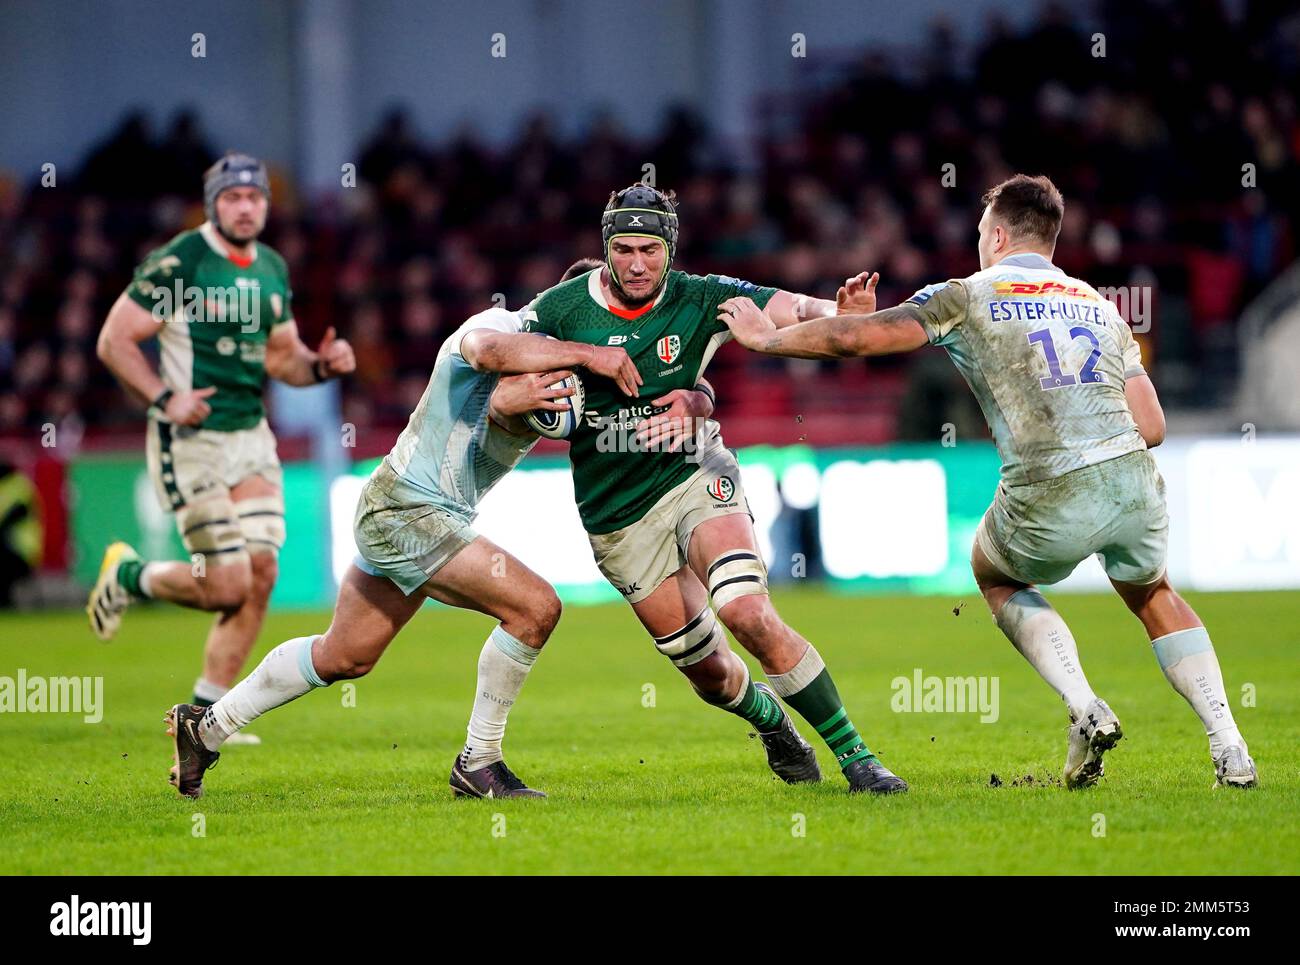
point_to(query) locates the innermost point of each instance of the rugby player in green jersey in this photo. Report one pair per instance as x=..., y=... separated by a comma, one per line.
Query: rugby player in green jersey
x=218, y=301
x=668, y=524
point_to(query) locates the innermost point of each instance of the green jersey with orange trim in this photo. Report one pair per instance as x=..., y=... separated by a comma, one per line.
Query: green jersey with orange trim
x=615, y=480
x=214, y=315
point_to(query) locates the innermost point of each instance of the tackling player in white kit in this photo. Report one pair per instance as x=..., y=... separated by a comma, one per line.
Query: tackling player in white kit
x=415, y=539
x=1073, y=412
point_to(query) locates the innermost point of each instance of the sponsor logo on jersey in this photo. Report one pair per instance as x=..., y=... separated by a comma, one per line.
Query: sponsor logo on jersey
x=722, y=489
x=227, y=345
x=1004, y=288
x=745, y=287
x=616, y=340
x=668, y=348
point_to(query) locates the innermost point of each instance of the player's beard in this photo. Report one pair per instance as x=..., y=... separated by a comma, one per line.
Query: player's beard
x=236, y=239
x=633, y=303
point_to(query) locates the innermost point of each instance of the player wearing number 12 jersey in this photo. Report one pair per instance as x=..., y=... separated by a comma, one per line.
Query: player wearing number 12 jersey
x=1060, y=379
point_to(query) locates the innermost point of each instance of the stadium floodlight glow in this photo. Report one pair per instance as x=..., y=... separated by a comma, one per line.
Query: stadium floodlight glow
x=1244, y=515
x=764, y=502
x=344, y=492
x=532, y=511
x=801, y=485
x=884, y=518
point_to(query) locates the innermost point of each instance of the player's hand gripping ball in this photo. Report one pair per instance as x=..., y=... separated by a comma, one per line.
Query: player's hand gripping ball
x=559, y=423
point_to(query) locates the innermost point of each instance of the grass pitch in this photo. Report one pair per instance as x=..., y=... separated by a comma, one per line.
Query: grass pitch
x=356, y=782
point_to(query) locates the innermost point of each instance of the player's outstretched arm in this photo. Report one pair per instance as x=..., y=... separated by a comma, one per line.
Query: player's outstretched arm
x=291, y=361
x=1145, y=406
x=520, y=353
x=838, y=336
x=118, y=347
x=857, y=296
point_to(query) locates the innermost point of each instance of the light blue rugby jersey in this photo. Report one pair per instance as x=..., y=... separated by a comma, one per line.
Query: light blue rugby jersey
x=451, y=452
x=1046, y=357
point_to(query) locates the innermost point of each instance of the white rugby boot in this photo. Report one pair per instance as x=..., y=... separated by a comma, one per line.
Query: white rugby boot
x=1235, y=768
x=1096, y=731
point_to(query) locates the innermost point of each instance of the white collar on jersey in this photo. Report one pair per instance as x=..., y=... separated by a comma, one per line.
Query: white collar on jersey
x=1029, y=259
x=209, y=233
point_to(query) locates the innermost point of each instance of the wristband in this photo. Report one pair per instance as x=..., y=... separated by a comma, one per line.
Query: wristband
x=713, y=400
x=160, y=404
x=316, y=371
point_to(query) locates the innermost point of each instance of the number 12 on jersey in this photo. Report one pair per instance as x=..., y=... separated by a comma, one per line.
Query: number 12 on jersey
x=1059, y=379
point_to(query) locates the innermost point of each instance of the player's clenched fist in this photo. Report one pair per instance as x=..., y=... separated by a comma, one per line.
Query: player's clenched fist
x=335, y=355
x=858, y=294
x=748, y=323
x=614, y=363
x=189, y=408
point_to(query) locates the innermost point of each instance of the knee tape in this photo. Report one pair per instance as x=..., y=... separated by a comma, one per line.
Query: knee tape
x=211, y=529
x=735, y=574
x=261, y=520
x=693, y=642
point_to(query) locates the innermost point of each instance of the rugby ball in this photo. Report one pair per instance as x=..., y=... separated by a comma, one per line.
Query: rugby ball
x=559, y=423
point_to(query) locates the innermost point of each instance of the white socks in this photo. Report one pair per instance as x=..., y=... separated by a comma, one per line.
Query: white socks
x=285, y=674
x=503, y=666
x=206, y=690
x=1043, y=639
x=143, y=581
x=1188, y=660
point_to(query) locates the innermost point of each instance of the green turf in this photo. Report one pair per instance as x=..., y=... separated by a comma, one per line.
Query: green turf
x=677, y=787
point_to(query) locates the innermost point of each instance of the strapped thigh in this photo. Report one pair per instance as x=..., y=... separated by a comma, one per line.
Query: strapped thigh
x=211, y=529
x=261, y=520
x=734, y=574
x=693, y=642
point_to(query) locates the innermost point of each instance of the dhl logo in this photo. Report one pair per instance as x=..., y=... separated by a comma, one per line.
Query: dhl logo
x=1041, y=288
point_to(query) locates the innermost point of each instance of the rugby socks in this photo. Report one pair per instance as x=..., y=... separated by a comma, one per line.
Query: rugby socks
x=753, y=705
x=1187, y=657
x=503, y=667
x=132, y=576
x=285, y=674
x=206, y=693
x=809, y=689
x=1042, y=638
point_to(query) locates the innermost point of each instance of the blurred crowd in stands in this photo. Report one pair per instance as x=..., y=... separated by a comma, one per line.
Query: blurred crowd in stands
x=1149, y=144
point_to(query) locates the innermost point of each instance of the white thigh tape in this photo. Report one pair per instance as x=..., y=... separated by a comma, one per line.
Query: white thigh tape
x=736, y=574
x=262, y=522
x=693, y=642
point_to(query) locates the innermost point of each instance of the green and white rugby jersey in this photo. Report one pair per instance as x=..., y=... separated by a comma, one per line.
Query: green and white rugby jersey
x=671, y=345
x=214, y=315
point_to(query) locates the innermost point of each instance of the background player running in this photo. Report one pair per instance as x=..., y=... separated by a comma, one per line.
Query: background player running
x=1061, y=382
x=219, y=303
x=669, y=526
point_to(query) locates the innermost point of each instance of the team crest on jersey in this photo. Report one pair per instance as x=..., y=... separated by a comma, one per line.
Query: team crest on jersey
x=722, y=489
x=668, y=348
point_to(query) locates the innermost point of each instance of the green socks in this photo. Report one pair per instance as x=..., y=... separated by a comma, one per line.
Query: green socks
x=128, y=575
x=759, y=708
x=755, y=705
x=809, y=689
